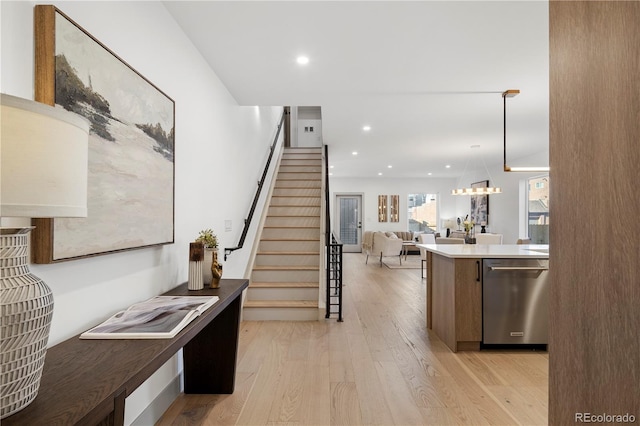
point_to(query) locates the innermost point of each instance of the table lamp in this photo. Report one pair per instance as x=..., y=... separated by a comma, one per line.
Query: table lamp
x=43, y=174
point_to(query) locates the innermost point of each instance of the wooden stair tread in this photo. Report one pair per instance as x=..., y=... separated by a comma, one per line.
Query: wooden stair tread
x=291, y=227
x=283, y=285
x=289, y=239
x=281, y=304
x=286, y=268
x=289, y=253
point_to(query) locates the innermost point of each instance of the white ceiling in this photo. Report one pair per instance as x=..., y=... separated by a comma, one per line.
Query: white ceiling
x=425, y=75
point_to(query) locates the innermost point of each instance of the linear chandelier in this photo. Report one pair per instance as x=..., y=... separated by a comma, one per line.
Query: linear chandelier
x=476, y=191
x=510, y=94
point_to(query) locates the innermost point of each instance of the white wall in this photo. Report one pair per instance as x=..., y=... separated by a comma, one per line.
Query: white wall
x=506, y=210
x=215, y=178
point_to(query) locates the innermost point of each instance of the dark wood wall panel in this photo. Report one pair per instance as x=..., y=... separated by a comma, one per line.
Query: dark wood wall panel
x=594, y=346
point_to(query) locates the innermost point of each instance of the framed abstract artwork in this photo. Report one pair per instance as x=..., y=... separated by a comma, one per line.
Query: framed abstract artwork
x=131, y=144
x=480, y=205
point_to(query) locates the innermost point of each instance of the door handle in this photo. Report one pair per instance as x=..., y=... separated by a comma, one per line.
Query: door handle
x=518, y=268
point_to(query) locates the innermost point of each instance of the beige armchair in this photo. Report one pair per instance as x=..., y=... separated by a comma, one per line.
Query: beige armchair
x=444, y=240
x=488, y=238
x=379, y=244
x=425, y=239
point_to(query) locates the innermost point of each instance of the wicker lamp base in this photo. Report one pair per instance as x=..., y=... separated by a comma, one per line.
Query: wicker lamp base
x=26, y=308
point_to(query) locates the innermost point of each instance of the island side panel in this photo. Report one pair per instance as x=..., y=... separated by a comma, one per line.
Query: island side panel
x=443, y=315
x=468, y=304
x=429, y=298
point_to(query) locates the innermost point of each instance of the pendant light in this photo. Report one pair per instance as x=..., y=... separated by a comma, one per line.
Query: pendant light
x=510, y=94
x=476, y=191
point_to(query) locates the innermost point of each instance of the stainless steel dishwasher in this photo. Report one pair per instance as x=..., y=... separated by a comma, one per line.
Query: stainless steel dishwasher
x=515, y=301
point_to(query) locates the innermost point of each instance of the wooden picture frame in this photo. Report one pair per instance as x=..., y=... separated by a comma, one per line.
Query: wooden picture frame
x=395, y=208
x=480, y=205
x=382, y=208
x=131, y=183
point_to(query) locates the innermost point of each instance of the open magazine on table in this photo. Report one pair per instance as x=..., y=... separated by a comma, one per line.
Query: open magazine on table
x=161, y=317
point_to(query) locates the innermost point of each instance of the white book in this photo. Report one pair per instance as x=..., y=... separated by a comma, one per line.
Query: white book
x=161, y=317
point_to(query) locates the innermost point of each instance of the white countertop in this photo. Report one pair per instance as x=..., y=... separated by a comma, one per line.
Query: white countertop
x=489, y=251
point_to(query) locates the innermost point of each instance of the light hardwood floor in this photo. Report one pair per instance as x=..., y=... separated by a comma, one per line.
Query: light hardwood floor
x=380, y=366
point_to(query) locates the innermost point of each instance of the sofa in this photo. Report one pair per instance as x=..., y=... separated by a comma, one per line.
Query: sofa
x=377, y=243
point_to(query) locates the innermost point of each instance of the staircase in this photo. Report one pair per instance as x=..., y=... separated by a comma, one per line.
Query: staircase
x=286, y=272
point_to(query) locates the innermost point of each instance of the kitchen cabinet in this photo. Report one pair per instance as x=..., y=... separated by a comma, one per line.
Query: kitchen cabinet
x=454, y=288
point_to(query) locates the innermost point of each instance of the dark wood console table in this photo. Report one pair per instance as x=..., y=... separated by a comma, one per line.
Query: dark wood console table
x=86, y=381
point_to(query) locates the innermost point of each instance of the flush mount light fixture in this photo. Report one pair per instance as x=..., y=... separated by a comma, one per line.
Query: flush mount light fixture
x=476, y=191
x=510, y=94
x=302, y=60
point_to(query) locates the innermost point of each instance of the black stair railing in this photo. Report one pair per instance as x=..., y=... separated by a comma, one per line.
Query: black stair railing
x=247, y=221
x=334, y=255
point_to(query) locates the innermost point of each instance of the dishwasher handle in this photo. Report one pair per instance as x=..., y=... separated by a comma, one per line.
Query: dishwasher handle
x=518, y=268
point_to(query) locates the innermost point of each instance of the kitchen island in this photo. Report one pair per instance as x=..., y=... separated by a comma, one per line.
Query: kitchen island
x=455, y=284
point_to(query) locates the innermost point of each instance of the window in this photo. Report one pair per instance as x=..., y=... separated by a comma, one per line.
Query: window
x=422, y=212
x=538, y=209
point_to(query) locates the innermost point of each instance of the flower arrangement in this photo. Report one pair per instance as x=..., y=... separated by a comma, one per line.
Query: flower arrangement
x=208, y=238
x=468, y=225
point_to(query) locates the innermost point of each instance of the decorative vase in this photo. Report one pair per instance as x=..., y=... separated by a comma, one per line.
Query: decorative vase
x=196, y=255
x=468, y=238
x=206, y=269
x=26, y=304
x=216, y=270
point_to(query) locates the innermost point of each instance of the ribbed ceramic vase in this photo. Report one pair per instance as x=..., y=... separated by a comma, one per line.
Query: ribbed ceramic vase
x=26, y=304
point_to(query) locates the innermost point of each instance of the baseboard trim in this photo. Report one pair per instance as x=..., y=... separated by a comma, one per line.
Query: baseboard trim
x=159, y=405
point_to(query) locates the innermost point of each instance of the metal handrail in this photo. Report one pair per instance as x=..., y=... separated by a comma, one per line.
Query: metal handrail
x=333, y=255
x=247, y=221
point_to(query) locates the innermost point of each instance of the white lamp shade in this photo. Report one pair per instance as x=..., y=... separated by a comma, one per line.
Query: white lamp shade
x=43, y=160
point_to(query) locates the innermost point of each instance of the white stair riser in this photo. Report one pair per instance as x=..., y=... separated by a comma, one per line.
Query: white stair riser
x=291, y=233
x=313, y=149
x=298, y=183
x=292, y=222
x=283, y=276
x=301, y=163
x=289, y=246
x=280, y=314
x=317, y=170
x=287, y=260
x=301, y=156
x=297, y=192
x=294, y=211
x=298, y=176
x=299, y=293
x=295, y=201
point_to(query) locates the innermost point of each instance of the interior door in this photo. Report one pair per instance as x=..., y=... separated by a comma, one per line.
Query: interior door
x=349, y=222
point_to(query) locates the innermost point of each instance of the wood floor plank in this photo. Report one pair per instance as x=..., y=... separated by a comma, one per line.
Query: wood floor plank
x=378, y=367
x=345, y=405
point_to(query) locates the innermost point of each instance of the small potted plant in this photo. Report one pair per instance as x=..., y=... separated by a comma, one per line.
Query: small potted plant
x=208, y=238
x=212, y=270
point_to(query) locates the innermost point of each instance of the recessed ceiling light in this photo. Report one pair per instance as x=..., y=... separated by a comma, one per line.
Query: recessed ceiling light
x=330, y=174
x=379, y=173
x=331, y=167
x=389, y=166
x=448, y=166
x=429, y=174
x=302, y=60
x=366, y=128
x=354, y=153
